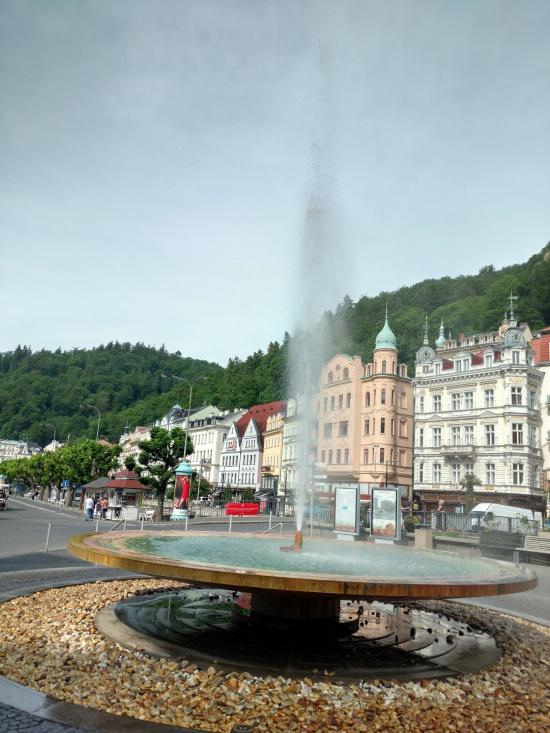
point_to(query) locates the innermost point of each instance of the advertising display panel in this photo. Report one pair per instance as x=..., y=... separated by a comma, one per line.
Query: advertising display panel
x=386, y=514
x=346, y=513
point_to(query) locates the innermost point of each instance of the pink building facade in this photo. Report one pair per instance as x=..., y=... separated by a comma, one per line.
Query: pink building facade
x=365, y=418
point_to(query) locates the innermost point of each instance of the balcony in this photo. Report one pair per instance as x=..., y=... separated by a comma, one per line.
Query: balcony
x=459, y=450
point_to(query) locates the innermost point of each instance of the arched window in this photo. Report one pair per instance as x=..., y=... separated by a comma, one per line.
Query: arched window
x=369, y=369
x=393, y=396
x=348, y=399
x=384, y=367
x=393, y=368
x=330, y=377
x=383, y=397
x=346, y=374
x=367, y=399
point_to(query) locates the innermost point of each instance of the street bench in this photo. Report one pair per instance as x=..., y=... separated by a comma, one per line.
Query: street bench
x=499, y=544
x=535, y=549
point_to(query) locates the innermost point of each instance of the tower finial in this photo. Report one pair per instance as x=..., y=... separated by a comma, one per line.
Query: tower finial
x=386, y=310
x=426, y=340
x=512, y=299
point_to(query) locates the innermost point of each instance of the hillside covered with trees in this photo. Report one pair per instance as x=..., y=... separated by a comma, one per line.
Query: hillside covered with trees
x=125, y=381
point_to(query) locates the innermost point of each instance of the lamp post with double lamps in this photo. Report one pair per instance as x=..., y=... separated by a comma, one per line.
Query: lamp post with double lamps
x=93, y=407
x=190, y=384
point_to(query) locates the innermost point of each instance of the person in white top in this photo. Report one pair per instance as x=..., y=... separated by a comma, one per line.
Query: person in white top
x=88, y=508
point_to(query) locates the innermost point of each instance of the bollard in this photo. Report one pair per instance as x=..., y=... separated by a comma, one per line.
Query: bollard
x=124, y=525
x=186, y=522
x=270, y=519
x=97, y=525
x=230, y=522
x=48, y=537
x=142, y=520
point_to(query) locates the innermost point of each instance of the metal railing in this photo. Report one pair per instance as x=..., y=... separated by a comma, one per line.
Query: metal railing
x=467, y=524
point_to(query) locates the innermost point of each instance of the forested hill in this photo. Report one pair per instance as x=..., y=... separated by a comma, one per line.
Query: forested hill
x=125, y=381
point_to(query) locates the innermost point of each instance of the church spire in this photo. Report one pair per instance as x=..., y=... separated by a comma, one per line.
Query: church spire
x=426, y=341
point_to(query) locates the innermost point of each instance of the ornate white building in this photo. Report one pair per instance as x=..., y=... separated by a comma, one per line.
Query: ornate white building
x=478, y=411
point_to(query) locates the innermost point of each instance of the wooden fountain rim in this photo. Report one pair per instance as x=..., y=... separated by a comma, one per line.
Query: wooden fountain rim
x=87, y=546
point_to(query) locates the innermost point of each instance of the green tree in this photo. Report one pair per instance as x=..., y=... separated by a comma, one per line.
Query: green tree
x=158, y=459
x=468, y=483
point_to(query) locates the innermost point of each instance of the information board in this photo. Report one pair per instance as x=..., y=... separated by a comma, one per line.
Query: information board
x=346, y=513
x=386, y=514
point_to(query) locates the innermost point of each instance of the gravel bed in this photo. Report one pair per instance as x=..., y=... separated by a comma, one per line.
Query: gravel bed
x=49, y=642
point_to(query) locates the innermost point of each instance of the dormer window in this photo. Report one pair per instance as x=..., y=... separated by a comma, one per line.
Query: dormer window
x=488, y=360
x=346, y=374
x=515, y=357
x=330, y=377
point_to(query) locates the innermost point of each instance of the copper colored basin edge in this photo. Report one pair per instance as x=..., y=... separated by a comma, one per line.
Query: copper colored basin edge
x=278, y=582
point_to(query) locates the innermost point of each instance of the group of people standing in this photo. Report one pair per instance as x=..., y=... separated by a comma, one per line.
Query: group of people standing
x=95, y=506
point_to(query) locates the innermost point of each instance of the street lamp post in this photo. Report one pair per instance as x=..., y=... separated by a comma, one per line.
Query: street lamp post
x=190, y=384
x=93, y=407
x=50, y=425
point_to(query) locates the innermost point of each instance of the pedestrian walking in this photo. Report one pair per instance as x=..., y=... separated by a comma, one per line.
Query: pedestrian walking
x=88, y=508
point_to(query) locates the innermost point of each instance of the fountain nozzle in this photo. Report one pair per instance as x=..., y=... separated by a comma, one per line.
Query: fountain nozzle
x=298, y=543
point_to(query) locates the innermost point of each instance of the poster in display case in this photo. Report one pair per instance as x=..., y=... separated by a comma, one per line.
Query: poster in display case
x=386, y=514
x=346, y=514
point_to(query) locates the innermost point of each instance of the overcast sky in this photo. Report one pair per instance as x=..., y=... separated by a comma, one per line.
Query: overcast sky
x=156, y=158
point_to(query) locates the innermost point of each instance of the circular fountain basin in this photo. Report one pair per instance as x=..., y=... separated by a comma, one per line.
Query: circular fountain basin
x=326, y=568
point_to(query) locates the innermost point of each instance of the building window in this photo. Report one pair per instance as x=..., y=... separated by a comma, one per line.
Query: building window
x=489, y=435
x=392, y=426
x=401, y=457
x=468, y=468
x=348, y=400
x=346, y=455
x=515, y=357
x=338, y=456
x=393, y=396
x=468, y=400
x=365, y=455
x=466, y=364
x=437, y=473
x=437, y=367
x=490, y=474
x=367, y=427
x=436, y=401
x=325, y=404
x=382, y=455
x=421, y=437
x=421, y=473
x=489, y=395
x=327, y=430
x=421, y=404
x=340, y=401
x=458, y=366
x=455, y=401
x=403, y=400
x=367, y=399
x=532, y=399
x=469, y=434
x=517, y=433
x=346, y=374
x=436, y=437
x=384, y=366
x=402, y=428
x=488, y=360
x=455, y=435
x=516, y=395
x=383, y=397
x=517, y=474
x=330, y=457
x=456, y=472
x=330, y=377
x=332, y=402
x=343, y=429
x=382, y=424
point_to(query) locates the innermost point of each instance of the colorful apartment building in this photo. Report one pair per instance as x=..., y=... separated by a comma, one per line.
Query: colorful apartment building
x=365, y=417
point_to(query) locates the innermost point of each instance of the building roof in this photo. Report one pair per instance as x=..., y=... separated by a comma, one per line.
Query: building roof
x=259, y=413
x=386, y=337
x=125, y=479
x=541, y=346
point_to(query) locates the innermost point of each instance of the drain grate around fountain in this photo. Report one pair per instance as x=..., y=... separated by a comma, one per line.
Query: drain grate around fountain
x=213, y=627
